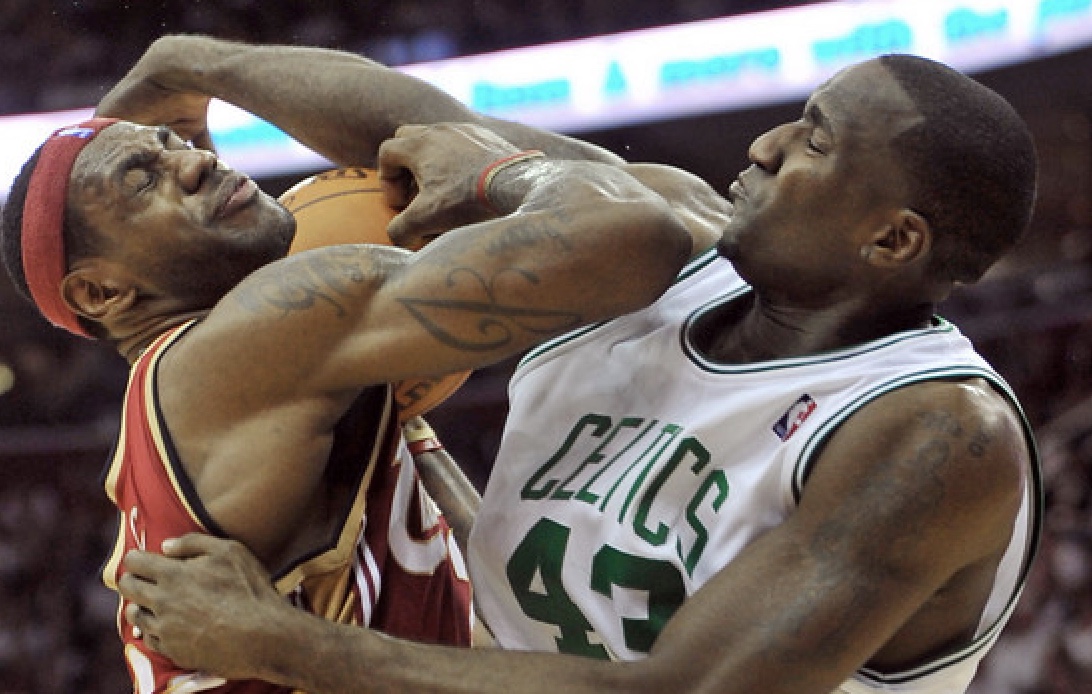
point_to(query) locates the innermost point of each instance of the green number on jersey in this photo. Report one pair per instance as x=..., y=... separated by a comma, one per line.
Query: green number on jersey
x=539, y=557
x=661, y=580
x=534, y=572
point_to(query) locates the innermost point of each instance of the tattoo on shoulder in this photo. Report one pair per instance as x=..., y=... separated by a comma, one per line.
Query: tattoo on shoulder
x=947, y=424
x=315, y=278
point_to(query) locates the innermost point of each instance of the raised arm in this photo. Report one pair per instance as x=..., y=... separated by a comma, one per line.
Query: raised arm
x=343, y=106
x=339, y=104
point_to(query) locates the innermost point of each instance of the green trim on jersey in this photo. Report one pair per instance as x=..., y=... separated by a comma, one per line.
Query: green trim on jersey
x=940, y=325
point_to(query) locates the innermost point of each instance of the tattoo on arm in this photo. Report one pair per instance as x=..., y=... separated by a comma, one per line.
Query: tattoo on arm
x=887, y=510
x=486, y=323
x=946, y=423
x=326, y=277
x=479, y=325
x=943, y=422
x=471, y=324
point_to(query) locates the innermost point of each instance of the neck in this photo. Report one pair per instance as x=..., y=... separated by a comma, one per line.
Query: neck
x=751, y=330
x=133, y=344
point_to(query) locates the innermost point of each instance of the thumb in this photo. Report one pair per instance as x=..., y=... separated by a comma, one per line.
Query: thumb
x=190, y=545
x=412, y=228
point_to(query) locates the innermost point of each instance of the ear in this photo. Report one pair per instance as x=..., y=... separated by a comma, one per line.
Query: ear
x=907, y=239
x=95, y=293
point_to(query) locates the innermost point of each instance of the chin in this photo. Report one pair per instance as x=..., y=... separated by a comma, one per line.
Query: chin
x=272, y=234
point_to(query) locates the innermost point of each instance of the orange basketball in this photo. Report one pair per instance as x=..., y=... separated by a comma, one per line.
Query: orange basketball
x=347, y=206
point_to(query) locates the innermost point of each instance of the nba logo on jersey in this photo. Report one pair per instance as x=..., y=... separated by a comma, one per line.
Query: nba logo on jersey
x=794, y=417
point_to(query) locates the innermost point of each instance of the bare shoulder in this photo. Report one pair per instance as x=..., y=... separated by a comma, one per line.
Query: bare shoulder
x=247, y=422
x=928, y=457
x=913, y=501
x=259, y=349
x=970, y=417
x=969, y=421
x=278, y=326
x=889, y=555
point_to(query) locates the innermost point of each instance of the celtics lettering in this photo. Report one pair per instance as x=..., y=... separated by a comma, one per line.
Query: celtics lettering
x=634, y=463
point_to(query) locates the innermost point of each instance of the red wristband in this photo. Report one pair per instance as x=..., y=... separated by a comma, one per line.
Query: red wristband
x=485, y=179
x=424, y=446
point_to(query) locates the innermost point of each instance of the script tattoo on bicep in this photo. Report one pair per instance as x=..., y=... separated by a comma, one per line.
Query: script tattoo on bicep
x=326, y=277
x=483, y=320
x=485, y=323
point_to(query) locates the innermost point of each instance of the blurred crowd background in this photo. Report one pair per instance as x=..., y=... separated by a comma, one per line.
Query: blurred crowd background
x=1032, y=316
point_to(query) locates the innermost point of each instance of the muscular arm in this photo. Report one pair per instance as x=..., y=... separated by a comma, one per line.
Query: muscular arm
x=339, y=104
x=587, y=242
x=935, y=474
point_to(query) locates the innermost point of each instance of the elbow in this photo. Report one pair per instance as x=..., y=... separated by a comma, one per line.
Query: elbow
x=659, y=242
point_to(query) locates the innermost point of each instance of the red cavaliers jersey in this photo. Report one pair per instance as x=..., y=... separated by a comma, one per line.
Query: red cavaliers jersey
x=390, y=562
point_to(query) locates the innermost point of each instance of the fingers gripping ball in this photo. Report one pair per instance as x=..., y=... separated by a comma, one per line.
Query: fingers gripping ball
x=347, y=206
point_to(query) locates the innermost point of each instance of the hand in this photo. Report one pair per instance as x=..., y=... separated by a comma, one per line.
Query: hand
x=204, y=604
x=431, y=172
x=151, y=93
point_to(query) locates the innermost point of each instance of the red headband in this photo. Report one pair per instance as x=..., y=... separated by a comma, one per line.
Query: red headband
x=43, y=220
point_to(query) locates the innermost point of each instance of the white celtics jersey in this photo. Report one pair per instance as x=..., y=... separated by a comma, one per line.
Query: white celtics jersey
x=632, y=470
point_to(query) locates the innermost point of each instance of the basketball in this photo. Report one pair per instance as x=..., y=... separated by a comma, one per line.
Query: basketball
x=347, y=206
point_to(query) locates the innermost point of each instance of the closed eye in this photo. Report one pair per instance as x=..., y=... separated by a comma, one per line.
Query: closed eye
x=822, y=133
x=139, y=179
x=138, y=171
x=151, y=176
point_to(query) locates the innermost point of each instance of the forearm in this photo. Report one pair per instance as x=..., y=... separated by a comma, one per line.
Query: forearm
x=339, y=104
x=569, y=217
x=324, y=658
x=581, y=249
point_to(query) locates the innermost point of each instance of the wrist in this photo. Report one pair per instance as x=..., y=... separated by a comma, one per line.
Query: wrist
x=296, y=644
x=500, y=199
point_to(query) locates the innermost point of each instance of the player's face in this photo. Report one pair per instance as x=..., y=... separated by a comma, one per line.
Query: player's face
x=820, y=186
x=174, y=215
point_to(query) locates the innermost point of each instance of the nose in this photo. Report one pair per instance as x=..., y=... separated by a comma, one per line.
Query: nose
x=768, y=149
x=194, y=166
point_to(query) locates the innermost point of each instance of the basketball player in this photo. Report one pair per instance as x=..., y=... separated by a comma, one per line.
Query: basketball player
x=256, y=408
x=785, y=475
